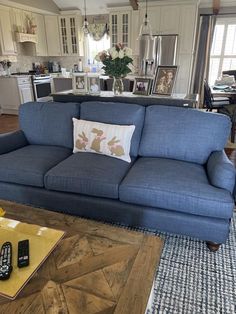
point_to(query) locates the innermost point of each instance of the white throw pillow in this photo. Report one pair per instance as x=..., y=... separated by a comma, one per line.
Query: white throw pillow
x=101, y=138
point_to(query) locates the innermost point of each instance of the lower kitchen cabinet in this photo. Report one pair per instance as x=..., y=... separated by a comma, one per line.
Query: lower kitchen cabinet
x=14, y=91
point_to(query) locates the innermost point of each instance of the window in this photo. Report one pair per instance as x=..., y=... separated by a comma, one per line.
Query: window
x=96, y=46
x=223, y=51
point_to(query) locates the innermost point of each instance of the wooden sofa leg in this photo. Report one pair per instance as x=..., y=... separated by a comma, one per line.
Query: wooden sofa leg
x=213, y=247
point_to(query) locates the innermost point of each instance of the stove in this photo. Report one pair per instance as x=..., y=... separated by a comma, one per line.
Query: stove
x=42, y=84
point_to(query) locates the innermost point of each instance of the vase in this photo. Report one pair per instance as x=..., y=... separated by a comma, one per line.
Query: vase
x=118, y=86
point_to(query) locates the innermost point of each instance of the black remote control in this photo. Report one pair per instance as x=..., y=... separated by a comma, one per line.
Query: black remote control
x=23, y=253
x=5, y=261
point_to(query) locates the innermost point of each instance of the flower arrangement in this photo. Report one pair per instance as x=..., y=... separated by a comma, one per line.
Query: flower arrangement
x=116, y=61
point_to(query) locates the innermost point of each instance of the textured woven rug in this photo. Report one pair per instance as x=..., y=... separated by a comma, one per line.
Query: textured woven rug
x=191, y=279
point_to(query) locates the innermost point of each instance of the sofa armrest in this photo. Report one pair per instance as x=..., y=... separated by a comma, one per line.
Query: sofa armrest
x=12, y=141
x=221, y=171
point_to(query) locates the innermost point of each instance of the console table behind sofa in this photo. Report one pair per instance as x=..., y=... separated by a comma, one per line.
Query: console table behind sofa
x=189, y=101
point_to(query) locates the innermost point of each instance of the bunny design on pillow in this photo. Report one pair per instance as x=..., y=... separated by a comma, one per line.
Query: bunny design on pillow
x=115, y=149
x=96, y=144
x=82, y=142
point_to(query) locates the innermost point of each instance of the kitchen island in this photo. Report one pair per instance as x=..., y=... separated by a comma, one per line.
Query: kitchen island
x=178, y=100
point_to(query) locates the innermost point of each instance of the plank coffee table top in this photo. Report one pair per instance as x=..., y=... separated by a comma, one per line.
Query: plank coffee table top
x=96, y=268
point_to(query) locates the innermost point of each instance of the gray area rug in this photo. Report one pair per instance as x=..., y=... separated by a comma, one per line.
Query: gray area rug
x=191, y=279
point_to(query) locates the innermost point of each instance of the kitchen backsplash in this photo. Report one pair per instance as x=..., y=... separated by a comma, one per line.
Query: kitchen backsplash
x=24, y=63
x=66, y=62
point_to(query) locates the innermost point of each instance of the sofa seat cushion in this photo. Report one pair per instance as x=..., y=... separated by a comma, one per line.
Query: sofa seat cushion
x=89, y=174
x=175, y=185
x=29, y=164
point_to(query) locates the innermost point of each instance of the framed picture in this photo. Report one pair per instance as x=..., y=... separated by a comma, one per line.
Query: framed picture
x=164, y=80
x=94, y=84
x=80, y=83
x=142, y=86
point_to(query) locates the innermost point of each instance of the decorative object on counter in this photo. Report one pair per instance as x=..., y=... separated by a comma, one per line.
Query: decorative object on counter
x=5, y=67
x=80, y=83
x=94, y=84
x=142, y=86
x=116, y=63
x=164, y=80
x=85, y=24
x=145, y=28
x=31, y=27
x=80, y=66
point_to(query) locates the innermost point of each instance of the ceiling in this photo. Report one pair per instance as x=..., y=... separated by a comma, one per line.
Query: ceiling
x=100, y=6
x=93, y=6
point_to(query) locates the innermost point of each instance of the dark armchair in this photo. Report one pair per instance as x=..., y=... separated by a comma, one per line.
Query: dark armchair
x=211, y=102
x=222, y=105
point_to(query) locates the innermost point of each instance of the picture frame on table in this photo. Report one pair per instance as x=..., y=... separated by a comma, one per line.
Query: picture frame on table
x=142, y=86
x=164, y=80
x=93, y=83
x=80, y=83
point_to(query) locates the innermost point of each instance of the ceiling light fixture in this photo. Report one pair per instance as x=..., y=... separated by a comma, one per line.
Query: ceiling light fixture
x=145, y=28
x=85, y=24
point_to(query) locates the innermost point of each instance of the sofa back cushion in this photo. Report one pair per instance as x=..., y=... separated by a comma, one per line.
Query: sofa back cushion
x=183, y=133
x=48, y=123
x=116, y=113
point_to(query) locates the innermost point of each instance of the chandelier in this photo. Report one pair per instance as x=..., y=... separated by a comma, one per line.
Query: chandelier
x=145, y=28
x=85, y=24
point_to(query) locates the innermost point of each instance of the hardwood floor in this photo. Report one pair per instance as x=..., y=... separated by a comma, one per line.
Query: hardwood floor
x=9, y=123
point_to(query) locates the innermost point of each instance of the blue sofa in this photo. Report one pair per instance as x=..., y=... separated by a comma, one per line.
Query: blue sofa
x=179, y=180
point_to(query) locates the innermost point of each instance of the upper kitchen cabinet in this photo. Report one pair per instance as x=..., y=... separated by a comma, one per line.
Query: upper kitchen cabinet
x=120, y=27
x=6, y=35
x=69, y=26
x=41, y=45
x=188, y=18
x=53, y=35
x=170, y=19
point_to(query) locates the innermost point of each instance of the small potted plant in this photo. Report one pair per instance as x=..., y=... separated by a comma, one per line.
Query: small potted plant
x=116, y=63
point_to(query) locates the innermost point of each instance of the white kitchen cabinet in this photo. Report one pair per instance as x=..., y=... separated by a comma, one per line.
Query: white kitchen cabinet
x=14, y=91
x=170, y=19
x=41, y=46
x=120, y=27
x=25, y=89
x=69, y=26
x=188, y=17
x=26, y=93
x=52, y=35
x=6, y=34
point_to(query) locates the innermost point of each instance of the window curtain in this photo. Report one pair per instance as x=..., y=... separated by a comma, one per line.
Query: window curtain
x=202, y=57
x=97, y=31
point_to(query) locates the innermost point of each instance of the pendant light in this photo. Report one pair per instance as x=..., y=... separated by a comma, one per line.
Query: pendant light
x=85, y=24
x=145, y=28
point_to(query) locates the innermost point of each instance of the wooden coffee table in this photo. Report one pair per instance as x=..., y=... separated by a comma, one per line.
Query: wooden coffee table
x=96, y=268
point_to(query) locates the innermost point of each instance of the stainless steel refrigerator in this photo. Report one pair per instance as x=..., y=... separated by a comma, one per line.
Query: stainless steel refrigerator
x=161, y=50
